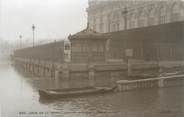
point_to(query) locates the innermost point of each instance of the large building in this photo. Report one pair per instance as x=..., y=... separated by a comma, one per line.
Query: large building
x=116, y=15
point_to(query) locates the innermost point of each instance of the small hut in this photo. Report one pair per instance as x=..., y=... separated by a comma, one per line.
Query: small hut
x=88, y=46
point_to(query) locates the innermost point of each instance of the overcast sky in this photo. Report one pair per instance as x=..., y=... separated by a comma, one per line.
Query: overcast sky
x=53, y=19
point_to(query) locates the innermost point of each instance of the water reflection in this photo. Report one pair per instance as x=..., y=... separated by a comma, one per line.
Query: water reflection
x=18, y=93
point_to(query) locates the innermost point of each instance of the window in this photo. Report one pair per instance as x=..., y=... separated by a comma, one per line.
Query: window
x=109, y=22
x=101, y=27
x=141, y=20
x=131, y=21
x=151, y=20
x=115, y=21
x=162, y=19
x=175, y=12
x=101, y=24
x=162, y=15
x=94, y=23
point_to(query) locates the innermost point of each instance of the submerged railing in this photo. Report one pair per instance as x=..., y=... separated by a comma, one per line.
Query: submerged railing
x=175, y=80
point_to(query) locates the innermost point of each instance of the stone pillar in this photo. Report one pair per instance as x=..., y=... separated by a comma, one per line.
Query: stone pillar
x=50, y=71
x=31, y=68
x=47, y=72
x=66, y=73
x=56, y=74
x=114, y=78
x=24, y=64
x=119, y=87
x=27, y=67
x=53, y=71
x=56, y=79
x=161, y=83
x=37, y=70
x=44, y=71
x=129, y=67
x=91, y=72
x=41, y=71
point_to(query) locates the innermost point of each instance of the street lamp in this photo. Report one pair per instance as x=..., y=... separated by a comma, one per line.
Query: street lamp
x=33, y=29
x=20, y=37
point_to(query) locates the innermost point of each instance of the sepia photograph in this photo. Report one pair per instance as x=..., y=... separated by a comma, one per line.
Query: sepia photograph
x=91, y=58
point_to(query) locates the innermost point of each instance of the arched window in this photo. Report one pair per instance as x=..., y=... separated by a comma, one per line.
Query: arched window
x=151, y=15
x=162, y=15
x=101, y=24
x=94, y=23
x=141, y=18
x=109, y=22
x=175, y=10
x=115, y=21
x=132, y=18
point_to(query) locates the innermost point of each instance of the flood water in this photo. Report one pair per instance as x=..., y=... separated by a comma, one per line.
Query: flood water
x=19, y=98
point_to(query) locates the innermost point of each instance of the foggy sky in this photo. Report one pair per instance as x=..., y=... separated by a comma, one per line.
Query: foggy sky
x=54, y=19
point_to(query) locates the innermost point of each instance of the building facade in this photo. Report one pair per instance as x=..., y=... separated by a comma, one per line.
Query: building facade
x=154, y=43
x=116, y=15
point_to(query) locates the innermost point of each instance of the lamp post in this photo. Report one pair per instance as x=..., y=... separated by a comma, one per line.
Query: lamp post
x=33, y=29
x=20, y=37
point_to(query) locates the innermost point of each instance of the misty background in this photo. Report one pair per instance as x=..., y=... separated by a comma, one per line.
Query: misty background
x=54, y=19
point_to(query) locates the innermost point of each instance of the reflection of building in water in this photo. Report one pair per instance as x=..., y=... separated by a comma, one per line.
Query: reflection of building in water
x=114, y=15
